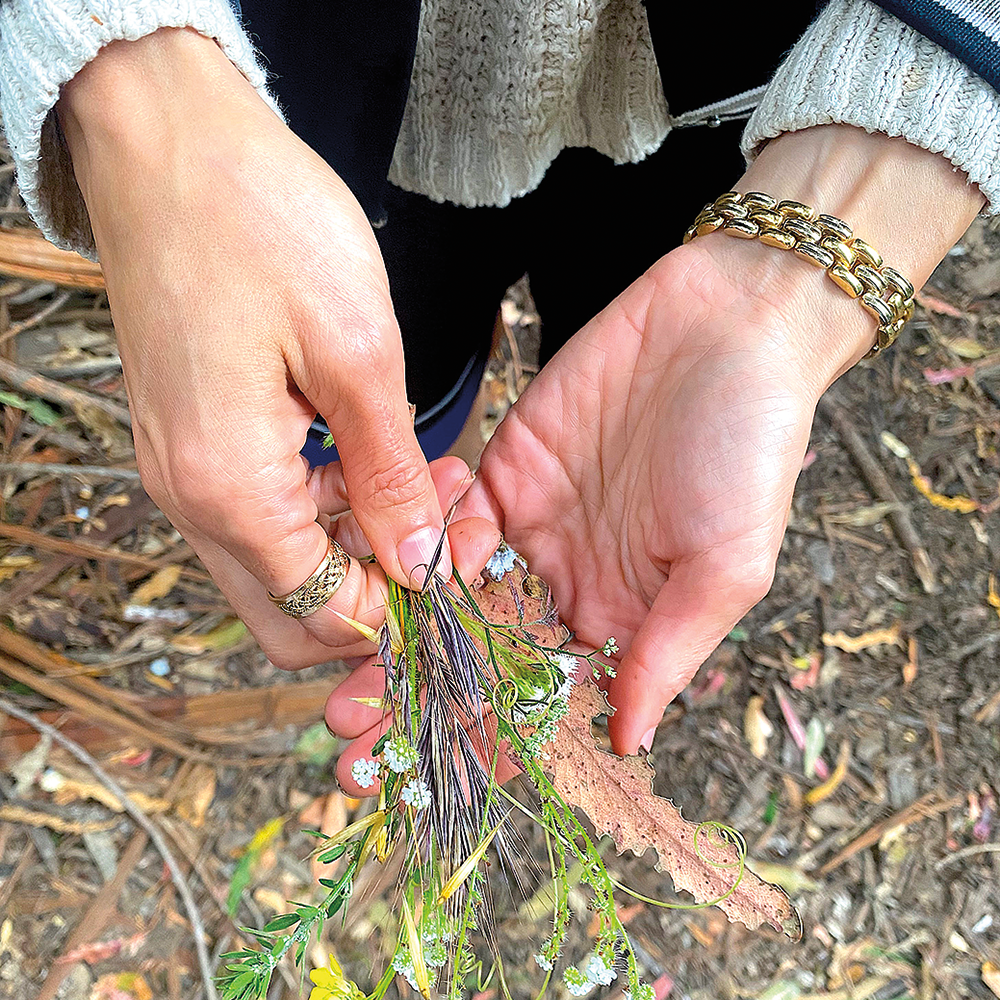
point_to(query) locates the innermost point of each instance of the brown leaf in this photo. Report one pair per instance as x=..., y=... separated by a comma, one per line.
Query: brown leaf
x=757, y=727
x=158, y=585
x=991, y=977
x=617, y=794
x=196, y=794
x=856, y=643
x=520, y=598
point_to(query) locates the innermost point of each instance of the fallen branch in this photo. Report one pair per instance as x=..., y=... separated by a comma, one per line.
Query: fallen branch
x=930, y=805
x=63, y=395
x=879, y=483
x=28, y=470
x=194, y=917
x=90, y=708
x=47, y=310
x=25, y=253
x=204, y=718
x=88, y=550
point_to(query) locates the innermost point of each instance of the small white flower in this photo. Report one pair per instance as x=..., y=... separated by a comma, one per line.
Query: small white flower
x=543, y=963
x=567, y=665
x=610, y=647
x=363, y=771
x=576, y=982
x=415, y=793
x=435, y=955
x=502, y=561
x=400, y=755
x=598, y=972
x=403, y=964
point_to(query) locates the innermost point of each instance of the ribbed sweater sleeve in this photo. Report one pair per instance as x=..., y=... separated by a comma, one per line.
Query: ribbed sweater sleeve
x=968, y=29
x=43, y=45
x=859, y=65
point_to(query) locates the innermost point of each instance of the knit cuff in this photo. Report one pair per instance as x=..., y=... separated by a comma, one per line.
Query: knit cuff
x=43, y=45
x=858, y=65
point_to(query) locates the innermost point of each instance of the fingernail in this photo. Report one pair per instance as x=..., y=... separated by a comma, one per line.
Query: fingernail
x=647, y=741
x=416, y=553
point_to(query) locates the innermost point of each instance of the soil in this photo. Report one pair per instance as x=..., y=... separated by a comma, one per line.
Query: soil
x=895, y=872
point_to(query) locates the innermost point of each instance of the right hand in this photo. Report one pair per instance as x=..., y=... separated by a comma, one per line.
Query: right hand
x=249, y=294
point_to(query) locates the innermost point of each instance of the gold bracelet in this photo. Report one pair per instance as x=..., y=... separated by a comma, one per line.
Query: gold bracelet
x=824, y=241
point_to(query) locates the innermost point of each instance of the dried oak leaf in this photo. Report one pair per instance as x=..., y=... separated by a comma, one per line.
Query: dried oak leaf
x=617, y=794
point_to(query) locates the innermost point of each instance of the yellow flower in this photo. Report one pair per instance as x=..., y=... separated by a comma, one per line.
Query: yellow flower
x=332, y=984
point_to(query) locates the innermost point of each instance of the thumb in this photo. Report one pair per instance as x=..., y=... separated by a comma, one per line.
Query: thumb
x=387, y=479
x=692, y=613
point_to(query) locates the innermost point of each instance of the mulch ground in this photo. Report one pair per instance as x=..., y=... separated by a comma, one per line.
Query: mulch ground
x=880, y=637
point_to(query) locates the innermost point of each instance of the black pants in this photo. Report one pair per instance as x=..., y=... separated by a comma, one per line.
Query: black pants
x=588, y=230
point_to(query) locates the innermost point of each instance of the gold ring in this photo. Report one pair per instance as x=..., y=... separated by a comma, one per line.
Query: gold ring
x=319, y=588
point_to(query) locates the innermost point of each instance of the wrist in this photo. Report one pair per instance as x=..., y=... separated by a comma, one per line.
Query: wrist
x=908, y=203
x=137, y=104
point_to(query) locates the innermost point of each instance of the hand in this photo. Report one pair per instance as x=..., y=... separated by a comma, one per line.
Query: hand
x=647, y=472
x=248, y=293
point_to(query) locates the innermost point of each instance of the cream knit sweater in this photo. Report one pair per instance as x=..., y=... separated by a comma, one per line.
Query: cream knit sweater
x=484, y=119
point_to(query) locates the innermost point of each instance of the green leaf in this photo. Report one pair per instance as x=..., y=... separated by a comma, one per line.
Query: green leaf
x=280, y=922
x=40, y=412
x=241, y=982
x=380, y=743
x=307, y=913
x=771, y=809
x=241, y=879
x=331, y=855
x=815, y=741
x=316, y=746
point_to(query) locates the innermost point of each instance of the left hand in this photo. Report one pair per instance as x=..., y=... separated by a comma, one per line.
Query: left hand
x=646, y=474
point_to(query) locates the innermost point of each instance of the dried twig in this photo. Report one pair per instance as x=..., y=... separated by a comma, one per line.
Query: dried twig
x=63, y=395
x=197, y=926
x=93, y=709
x=930, y=805
x=7, y=889
x=47, y=310
x=28, y=470
x=25, y=253
x=12, y=813
x=88, y=550
x=967, y=852
x=878, y=481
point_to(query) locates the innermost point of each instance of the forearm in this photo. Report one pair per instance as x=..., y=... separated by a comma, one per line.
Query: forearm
x=45, y=45
x=908, y=203
x=147, y=122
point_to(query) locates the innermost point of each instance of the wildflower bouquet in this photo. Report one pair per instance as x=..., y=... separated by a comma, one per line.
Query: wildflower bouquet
x=470, y=677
